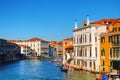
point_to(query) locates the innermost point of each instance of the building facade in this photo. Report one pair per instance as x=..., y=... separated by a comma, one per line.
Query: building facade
x=68, y=51
x=87, y=45
x=37, y=45
x=110, y=47
x=53, y=48
x=8, y=51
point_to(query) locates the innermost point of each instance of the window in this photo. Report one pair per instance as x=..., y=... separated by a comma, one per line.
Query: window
x=78, y=62
x=118, y=28
x=90, y=64
x=114, y=29
x=77, y=39
x=110, y=52
x=81, y=39
x=107, y=28
x=85, y=52
x=111, y=63
x=96, y=51
x=85, y=39
x=103, y=52
x=113, y=52
x=90, y=37
x=94, y=65
x=102, y=39
x=103, y=63
x=110, y=38
x=117, y=52
x=85, y=64
x=79, y=53
x=103, y=69
x=24, y=51
x=95, y=39
x=90, y=52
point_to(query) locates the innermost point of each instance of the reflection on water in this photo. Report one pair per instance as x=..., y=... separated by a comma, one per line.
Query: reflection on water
x=30, y=70
x=80, y=75
x=39, y=70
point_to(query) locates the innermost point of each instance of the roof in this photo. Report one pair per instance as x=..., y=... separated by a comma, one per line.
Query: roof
x=91, y=25
x=69, y=38
x=104, y=21
x=98, y=23
x=35, y=39
x=2, y=39
x=29, y=40
x=11, y=41
x=69, y=46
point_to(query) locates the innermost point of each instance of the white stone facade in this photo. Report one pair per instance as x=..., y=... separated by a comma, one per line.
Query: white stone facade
x=37, y=45
x=86, y=47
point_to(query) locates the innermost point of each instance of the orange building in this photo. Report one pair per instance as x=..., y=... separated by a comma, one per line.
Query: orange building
x=67, y=43
x=53, y=48
x=67, y=51
x=110, y=47
x=60, y=48
x=54, y=44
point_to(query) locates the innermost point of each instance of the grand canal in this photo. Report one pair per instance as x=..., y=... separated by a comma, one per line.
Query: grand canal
x=39, y=70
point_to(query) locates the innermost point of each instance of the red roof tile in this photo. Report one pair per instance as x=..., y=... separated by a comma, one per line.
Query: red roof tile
x=35, y=39
x=104, y=21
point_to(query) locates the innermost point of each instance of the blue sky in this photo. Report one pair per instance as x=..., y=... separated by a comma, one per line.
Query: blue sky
x=50, y=19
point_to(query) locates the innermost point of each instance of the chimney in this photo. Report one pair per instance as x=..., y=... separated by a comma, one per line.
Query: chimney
x=76, y=26
x=88, y=21
x=83, y=23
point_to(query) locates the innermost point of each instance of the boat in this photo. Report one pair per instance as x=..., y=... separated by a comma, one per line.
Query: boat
x=63, y=69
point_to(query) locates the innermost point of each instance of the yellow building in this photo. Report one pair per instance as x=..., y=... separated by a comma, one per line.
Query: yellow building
x=104, y=53
x=110, y=47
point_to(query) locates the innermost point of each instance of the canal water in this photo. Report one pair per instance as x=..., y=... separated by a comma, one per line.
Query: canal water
x=39, y=70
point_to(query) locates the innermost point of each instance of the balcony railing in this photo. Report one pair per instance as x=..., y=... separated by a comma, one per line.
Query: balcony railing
x=82, y=44
x=115, y=58
x=116, y=43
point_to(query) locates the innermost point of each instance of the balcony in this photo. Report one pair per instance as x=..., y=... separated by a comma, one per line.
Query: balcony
x=115, y=58
x=78, y=57
x=87, y=58
x=116, y=43
x=83, y=44
x=93, y=58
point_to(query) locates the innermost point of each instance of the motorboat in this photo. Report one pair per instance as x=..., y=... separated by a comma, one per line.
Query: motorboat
x=63, y=69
